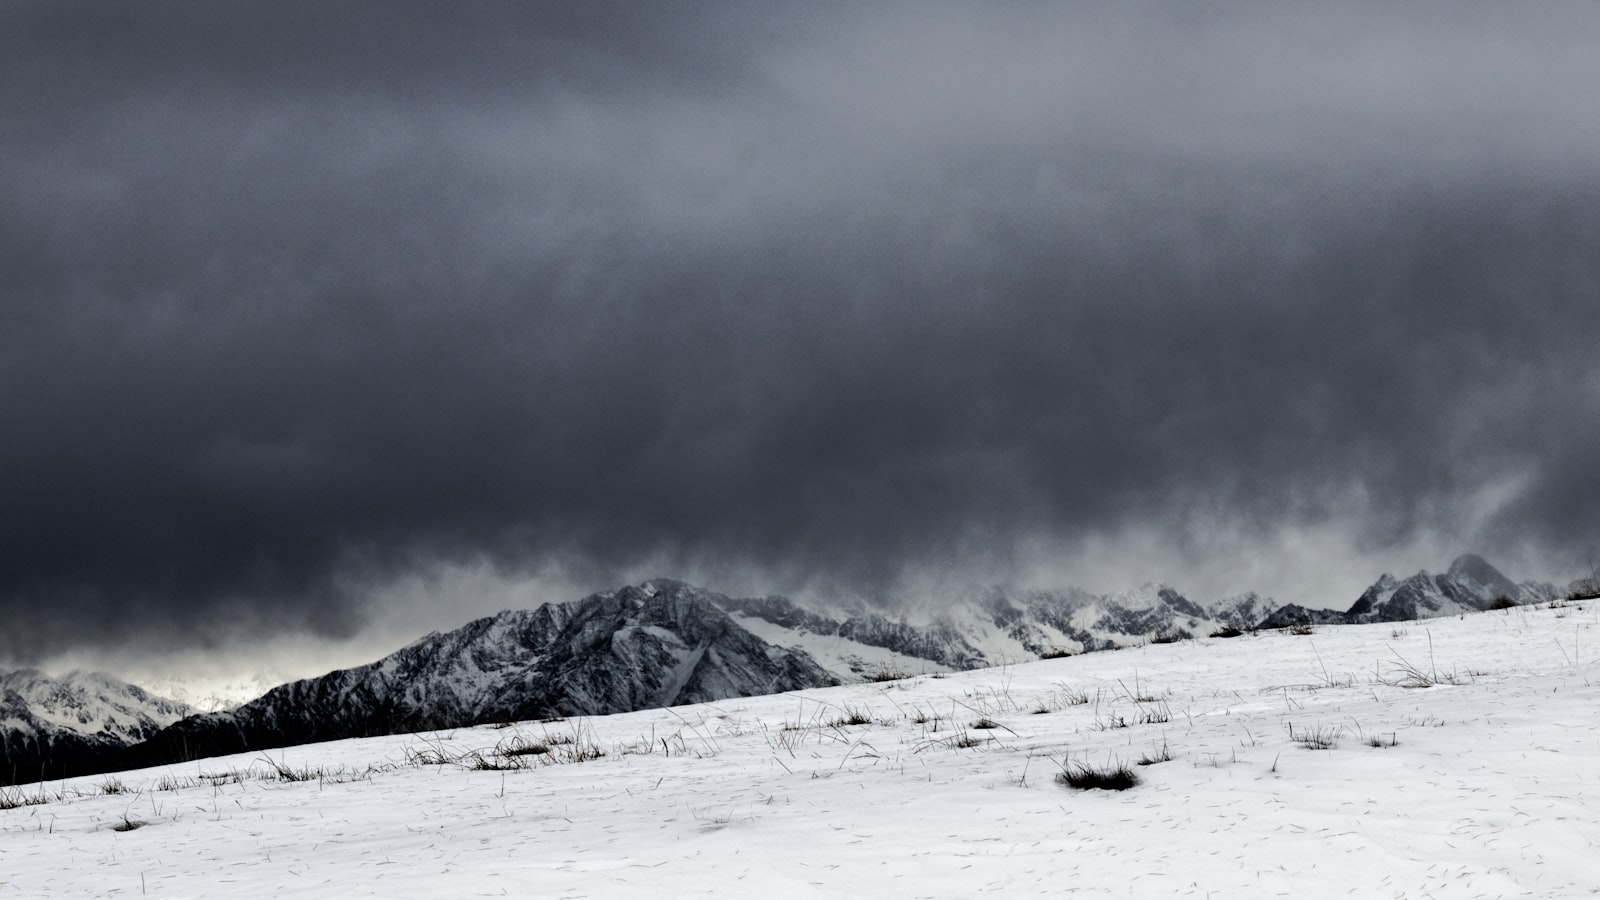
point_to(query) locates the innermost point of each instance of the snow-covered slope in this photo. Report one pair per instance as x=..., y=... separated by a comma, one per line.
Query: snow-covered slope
x=1462, y=759
x=56, y=723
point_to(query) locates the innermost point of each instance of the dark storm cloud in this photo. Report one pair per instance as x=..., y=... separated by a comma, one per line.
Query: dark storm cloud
x=298, y=291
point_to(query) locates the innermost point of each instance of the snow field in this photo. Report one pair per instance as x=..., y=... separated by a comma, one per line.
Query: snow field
x=1480, y=785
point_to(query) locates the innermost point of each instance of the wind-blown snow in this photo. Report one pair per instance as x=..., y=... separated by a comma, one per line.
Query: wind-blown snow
x=1491, y=787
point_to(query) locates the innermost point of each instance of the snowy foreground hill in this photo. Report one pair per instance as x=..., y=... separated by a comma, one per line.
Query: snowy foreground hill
x=1453, y=757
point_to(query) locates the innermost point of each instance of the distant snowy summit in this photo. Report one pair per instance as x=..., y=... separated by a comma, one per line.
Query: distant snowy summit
x=53, y=725
x=989, y=626
x=209, y=694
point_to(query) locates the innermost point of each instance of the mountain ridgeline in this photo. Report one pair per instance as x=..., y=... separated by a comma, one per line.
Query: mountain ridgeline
x=1471, y=584
x=661, y=643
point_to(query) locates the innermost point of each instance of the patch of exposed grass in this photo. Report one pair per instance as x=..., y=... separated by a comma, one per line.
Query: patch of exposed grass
x=1158, y=756
x=1410, y=675
x=429, y=756
x=964, y=741
x=1084, y=777
x=1319, y=738
x=1159, y=715
x=851, y=717
x=1073, y=697
x=16, y=797
x=1407, y=675
x=522, y=746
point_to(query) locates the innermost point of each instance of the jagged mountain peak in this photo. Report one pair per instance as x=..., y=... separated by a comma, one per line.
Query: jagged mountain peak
x=1470, y=568
x=1246, y=610
x=1470, y=584
x=661, y=585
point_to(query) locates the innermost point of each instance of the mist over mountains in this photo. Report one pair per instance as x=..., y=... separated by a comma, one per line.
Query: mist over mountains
x=659, y=644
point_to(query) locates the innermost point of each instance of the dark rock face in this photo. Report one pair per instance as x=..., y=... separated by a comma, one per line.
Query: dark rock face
x=1180, y=604
x=662, y=643
x=939, y=641
x=1294, y=614
x=32, y=753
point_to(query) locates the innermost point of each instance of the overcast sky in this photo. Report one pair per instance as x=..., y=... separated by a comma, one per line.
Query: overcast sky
x=320, y=321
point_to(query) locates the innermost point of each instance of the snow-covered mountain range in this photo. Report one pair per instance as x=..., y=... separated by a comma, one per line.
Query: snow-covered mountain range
x=49, y=726
x=664, y=643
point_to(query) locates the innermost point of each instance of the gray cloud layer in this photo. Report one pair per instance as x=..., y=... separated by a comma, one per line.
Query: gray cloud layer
x=293, y=291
